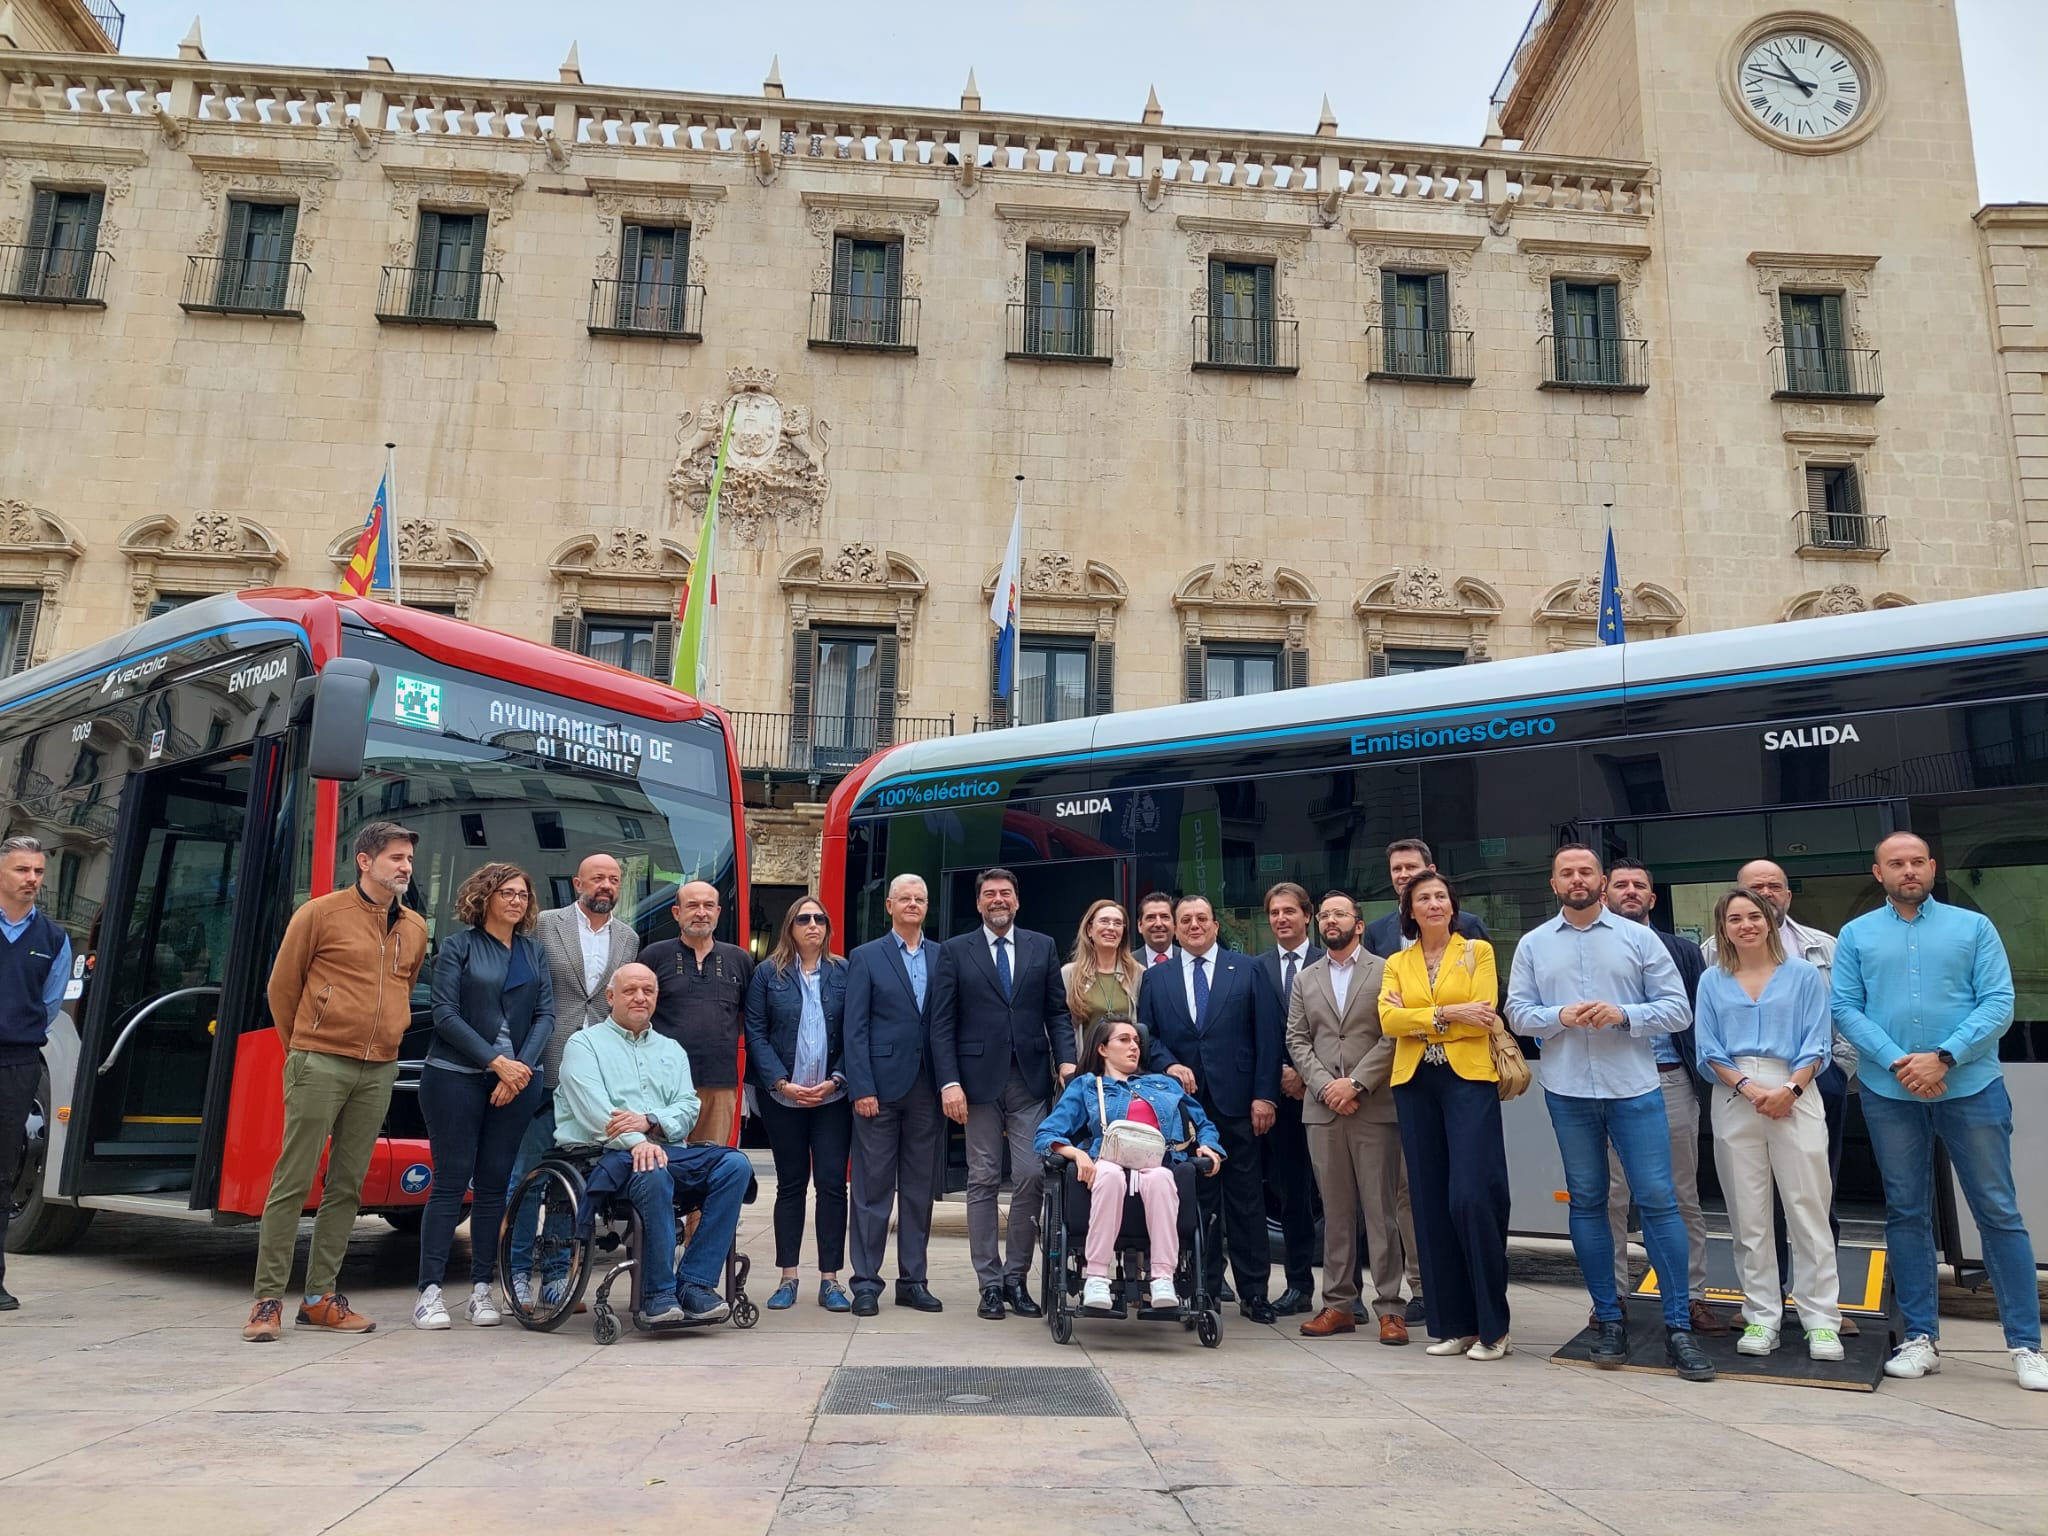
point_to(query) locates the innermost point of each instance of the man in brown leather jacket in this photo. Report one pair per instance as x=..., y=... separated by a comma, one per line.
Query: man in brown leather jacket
x=341, y=997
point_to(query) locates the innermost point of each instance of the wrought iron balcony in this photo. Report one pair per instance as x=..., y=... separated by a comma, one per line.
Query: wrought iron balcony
x=863, y=322
x=1059, y=333
x=49, y=274
x=1247, y=344
x=1826, y=373
x=666, y=311
x=1428, y=355
x=235, y=285
x=108, y=18
x=1586, y=362
x=1841, y=535
x=773, y=744
x=439, y=296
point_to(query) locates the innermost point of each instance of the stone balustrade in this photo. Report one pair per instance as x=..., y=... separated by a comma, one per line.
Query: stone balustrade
x=1319, y=173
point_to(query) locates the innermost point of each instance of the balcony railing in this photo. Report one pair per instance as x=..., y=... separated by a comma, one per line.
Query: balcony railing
x=624, y=307
x=235, y=285
x=1842, y=535
x=438, y=296
x=1059, y=333
x=107, y=16
x=863, y=322
x=1411, y=352
x=771, y=743
x=1826, y=373
x=48, y=274
x=1589, y=362
x=1244, y=343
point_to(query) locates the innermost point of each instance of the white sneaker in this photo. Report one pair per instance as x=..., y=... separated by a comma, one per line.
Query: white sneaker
x=522, y=1292
x=430, y=1313
x=1913, y=1359
x=1164, y=1295
x=1757, y=1340
x=482, y=1310
x=1823, y=1344
x=2031, y=1366
x=1095, y=1294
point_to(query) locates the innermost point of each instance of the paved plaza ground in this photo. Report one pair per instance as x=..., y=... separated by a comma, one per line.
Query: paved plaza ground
x=128, y=1403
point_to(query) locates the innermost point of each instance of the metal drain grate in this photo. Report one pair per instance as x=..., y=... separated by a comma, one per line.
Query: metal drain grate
x=1033, y=1391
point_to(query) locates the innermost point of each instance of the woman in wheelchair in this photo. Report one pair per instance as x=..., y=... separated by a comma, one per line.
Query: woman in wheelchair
x=1109, y=1101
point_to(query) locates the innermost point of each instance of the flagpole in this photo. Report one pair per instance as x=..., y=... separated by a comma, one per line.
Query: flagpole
x=1017, y=625
x=391, y=516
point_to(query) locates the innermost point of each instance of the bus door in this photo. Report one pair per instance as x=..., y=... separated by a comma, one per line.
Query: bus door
x=1051, y=897
x=161, y=960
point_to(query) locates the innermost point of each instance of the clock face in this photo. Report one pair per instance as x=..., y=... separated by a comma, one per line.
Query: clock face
x=1796, y=84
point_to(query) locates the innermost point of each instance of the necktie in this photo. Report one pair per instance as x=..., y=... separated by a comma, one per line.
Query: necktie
x=1287, y=980
x=1201, y=992
x=1160, y=958
x=1003, y=967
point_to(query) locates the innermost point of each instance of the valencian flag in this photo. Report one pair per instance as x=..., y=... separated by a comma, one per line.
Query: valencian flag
x=1611, y=632
x=1002, y=608
x=370, y=566
x=692, y=673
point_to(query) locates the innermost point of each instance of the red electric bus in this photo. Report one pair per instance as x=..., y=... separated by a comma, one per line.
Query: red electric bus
x=197, y=778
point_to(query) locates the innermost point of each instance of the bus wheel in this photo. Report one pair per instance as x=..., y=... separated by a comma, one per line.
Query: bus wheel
x=406, y=1221
x=40, y=1225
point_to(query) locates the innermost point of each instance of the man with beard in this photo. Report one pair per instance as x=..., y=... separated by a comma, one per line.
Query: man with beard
x=1594, y=988
x=703, y=1007
x=1632, y=893
x=340, y=998
x=1290, y=1178
x=1924, y=991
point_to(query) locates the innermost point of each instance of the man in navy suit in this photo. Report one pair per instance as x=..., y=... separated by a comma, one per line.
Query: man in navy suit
x=1408, y=857
x=1290, y=1178
x=1000, y=1029
x=1216, y=1026
x=897, y=1131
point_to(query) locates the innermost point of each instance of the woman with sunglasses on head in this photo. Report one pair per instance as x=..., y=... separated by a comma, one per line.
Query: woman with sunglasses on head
x=1103, y=976
x=796, y=1006
x=494, y=1012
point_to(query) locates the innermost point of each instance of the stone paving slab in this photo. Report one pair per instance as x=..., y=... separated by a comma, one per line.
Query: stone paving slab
x=130, y=1403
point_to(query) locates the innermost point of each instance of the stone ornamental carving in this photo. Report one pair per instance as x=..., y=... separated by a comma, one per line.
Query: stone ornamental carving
x=1241, y=581
x=209, y=533
x=1052, y=571
x=1543, y=263
x=1067, y=594
x=1228, y=238
x=830, y=215
x=24, y=166
x=438, y=564
x=1422, y=586
x=1782, y=272
x=37, y=554
x=854, y=584
x=420, y=541
x=1375, y=258
x=1569, y=614
x=630, y=202
x=1026, y=227
x=1842, y=598
x=224, y=179
x=856, y=565
x=1239, y=599
x=775, y=466
x=1416, y=605
x=490, y=193
x=210, y=552
x=631, y=550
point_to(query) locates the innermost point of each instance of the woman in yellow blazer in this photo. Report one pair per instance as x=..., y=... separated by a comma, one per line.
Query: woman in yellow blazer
x=1437, y=1005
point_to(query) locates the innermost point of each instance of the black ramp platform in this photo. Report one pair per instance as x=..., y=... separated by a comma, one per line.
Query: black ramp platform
x=1861, y=1369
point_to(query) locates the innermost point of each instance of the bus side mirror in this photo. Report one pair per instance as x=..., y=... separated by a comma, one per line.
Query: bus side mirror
x=342, y=696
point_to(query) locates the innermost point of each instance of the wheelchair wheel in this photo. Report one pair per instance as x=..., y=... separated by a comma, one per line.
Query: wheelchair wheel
x=1209, y=1329
x=745, y=1314
x=543, y=1210
x=604, y=1324
x=1062, y=1325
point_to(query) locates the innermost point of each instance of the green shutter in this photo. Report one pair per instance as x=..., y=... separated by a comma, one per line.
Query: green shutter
x=1102, y=677
x=280, y=286
x=892, y=288
x=1034, y=301
x=1560, y=360
x=679, y=280
x=1195, y=672
x=473, y=268
x=1262, y=309
x=803, y=671
x=89, y=236
x=1437, y=326
x=234, y=251
x=1294, y=669
x=35, y=254
x=888, y=668
x=1611, y=362
x=1391, y=317
x=628, y=301
x=425, y=254
x=1084, y=301
x=29, y=611
x=1834, y=344
x=842, y=284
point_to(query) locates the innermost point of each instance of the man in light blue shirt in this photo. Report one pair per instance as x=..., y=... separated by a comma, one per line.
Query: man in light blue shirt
x=1923, y=990
x=35, y=968
x=1595, y=988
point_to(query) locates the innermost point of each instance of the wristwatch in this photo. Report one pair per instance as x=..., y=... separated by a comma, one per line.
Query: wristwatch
x=1355, y=1083
x=1946, y=1058
x=1798, y=1091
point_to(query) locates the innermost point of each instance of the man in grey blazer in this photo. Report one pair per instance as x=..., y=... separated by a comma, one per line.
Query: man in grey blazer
x=1347, y=1109
x=585, y=945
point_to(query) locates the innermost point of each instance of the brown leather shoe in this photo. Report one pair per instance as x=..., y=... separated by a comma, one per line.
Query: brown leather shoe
x=1330, y=1320
x=1848, y=1330
x=1393, y=1330
x=333, y=1313
x=1706, y=1320
x=266, y=1322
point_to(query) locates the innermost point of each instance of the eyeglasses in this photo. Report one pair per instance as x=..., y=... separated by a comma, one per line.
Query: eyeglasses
x=807, y=918
x=518, y=896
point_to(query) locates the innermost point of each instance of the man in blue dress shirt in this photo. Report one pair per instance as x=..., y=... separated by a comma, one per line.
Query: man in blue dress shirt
x=1594, y=987
x=1923, y=990
x=35, y=967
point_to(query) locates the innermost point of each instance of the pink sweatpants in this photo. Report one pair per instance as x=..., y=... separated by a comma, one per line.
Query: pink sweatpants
x=1106, y=1216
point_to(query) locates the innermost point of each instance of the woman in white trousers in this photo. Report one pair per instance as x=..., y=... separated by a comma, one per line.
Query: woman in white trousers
x=1761, y=1026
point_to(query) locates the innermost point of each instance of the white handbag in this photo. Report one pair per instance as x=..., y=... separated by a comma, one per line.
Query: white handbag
x=1128, y=1143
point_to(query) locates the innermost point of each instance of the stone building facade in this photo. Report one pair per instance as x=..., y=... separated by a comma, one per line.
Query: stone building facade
x=1288, y=408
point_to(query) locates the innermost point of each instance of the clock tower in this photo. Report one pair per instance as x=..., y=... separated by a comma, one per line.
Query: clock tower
x=1819, y=331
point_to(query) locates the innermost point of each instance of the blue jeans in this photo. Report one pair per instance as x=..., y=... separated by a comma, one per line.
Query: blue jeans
x=1642, y=1140
x=722, y=1174
x=1977, y=1130
x=535, y=1145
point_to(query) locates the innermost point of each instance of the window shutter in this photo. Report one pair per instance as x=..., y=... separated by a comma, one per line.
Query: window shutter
x=1377, y=665
x=1560, y=354
x=1294, y=668
x=842, y=283
x=1195, y=672
x=1834, y=343
x=1849, y=492
x=42, y=216
x=568, y=633
x=35, y=255
x=998, y=704
x=473, y=268
x=679, y=285
x=1439, y=301
x=25, y=634
x=664, y=660
x=1610, y=353
x=628, y=300
x=888, y=667
x=234, y=251
x=1262, y=307
x=803, y=670
x=425, y=254
x=1816, y=489
x=281, y=274
x=1034, y=301
x=892, y=287
x=1436, y=337
x=1215, y=286
x=1084, y=301
x=1390, y=319
x=1102, y=677
x=89, y=235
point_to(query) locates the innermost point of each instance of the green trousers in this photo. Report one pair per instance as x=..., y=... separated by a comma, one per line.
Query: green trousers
x=325, y=1097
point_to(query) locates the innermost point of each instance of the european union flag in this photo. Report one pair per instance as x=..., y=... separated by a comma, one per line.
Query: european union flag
x=1611, y=631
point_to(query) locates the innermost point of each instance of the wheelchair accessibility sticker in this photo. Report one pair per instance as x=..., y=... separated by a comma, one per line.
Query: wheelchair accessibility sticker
x=415, y=1178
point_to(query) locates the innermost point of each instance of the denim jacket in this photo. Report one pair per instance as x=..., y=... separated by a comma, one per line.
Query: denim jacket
x=1076, y=1119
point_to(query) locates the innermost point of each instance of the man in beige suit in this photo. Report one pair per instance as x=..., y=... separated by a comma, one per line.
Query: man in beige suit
x=1354, y=1142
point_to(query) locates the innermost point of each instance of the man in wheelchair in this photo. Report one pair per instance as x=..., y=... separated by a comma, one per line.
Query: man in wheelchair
x=627, y=1088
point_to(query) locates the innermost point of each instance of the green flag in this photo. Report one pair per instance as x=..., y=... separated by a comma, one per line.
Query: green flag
x=700, y=593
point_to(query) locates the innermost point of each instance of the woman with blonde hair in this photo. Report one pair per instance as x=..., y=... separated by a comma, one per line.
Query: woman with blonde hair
x=1103, y=976
x=494, y=1011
